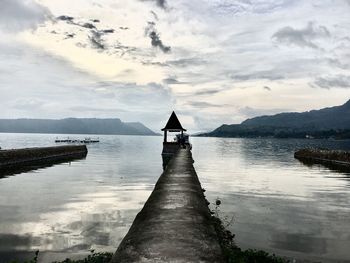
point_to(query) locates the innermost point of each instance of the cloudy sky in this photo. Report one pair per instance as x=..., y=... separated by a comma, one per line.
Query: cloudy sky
x=213, y=61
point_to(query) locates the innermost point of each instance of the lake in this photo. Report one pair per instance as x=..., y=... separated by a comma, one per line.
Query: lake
x=270, y=200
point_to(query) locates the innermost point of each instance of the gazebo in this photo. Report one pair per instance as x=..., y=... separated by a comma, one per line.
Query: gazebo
x=173, y=125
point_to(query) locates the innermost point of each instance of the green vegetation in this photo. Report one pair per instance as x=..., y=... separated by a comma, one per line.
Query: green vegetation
x=234, y=254
x=92, y=258
x=244, y=131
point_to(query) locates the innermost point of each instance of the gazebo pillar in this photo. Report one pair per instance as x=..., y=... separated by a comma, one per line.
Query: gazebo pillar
x=165, y=135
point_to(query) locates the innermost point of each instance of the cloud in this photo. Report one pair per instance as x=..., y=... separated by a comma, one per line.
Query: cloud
x=28, y=104
x=208, y=122
x=64, y=91
x=249, y=112
x=337, y=81
x=156, y=42
x=18, y=15
x=215, y=59
x=155, y=15
x=268, y=74
x=185, y=62
x=303, y=37
x=65, y=18
x=96, y=109
x=96, y=40
x=173, y=80
x=160, y=3
x=181, y=62
x=152, y=33
x=207, y=92
x=203, y=105
x=335, y=62
x=94, y=36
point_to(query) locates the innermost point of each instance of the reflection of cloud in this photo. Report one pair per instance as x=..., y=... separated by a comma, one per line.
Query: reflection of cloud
x=306, y=243
x=282, y=206
x=88, y=221
x=19, y=242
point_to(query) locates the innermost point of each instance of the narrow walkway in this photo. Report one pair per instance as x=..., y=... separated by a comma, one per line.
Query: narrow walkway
x=174, y=225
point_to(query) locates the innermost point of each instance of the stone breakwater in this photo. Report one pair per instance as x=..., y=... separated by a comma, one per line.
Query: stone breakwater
x=323, y=156
x=175, y=224
x=18, y=158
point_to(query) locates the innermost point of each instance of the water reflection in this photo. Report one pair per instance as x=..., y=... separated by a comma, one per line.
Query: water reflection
x=165, y=160
x=66, y=210
x=278, y=204
x=36, y=165
x=331, y=166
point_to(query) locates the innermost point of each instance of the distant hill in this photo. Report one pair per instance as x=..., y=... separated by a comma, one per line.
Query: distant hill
x=324, y=123
x=74, y=126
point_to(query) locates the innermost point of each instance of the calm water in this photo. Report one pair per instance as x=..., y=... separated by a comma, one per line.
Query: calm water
x=277, y=203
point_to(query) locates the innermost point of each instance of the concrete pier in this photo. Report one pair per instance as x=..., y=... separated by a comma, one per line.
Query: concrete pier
x=16, y=159
x=175, y=223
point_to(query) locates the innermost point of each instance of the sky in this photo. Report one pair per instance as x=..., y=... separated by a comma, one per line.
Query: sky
x=212, y=61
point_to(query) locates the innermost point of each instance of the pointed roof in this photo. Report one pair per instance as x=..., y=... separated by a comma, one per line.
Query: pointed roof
x=173, y=124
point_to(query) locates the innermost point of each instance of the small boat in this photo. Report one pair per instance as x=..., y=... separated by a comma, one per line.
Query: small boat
x=89, y=140
x=85, y=140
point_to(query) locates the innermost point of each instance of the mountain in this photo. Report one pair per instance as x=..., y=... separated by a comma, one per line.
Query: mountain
x=337, y=117
x=323, y=123
x=140, y=127
x=74, y=126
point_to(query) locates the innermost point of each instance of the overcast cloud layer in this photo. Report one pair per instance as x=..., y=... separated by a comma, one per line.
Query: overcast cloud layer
x=213, y=61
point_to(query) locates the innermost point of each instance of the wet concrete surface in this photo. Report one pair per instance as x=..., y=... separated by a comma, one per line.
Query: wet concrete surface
x=174, y=224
